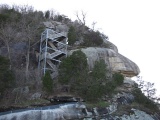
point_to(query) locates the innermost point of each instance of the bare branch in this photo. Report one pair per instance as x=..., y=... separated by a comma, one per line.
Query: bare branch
x=78, y=17
x=83, y=20
x=147, y=87
x=84, y=17
x=93, y=25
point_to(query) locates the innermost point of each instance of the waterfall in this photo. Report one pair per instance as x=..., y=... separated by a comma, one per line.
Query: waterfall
x=63, y=112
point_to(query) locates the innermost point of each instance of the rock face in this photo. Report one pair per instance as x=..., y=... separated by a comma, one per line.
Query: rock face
x=119, y=107
x=57, y=26
x=56, y=112
x=114, y=61
x=75, y=111
x=110, y=45
x=36, y=95
x=21, y=90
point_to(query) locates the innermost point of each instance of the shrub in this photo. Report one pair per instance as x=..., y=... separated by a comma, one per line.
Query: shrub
x=9, y=14
x=70, y=69
x=94, y=92
x=143, y=100
x=74, y=71
x=118, y=78
x=59, y=18
x=47, y=14
x=110, y=87
x=3, y=17
x=65, y=70
x=47, y=82
x=99, y=71
x=96, y=86
x=92, y=39
x=6, y=75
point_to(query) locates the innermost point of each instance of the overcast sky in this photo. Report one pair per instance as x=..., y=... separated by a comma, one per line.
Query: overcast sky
x=132, y=25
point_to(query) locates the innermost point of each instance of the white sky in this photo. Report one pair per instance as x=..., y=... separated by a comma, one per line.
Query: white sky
x=132, y=25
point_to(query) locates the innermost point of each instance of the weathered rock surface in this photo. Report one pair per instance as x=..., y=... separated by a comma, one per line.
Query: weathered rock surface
x=76, y=111
x=115, y=61
x=129, y=82
x=138, y=115
x=57, y=112
x=36, y=95
x=21, y=90
x=110, y=45
x=57, y=26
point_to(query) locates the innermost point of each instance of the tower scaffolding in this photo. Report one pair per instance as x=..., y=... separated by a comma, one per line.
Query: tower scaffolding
x=53, y=46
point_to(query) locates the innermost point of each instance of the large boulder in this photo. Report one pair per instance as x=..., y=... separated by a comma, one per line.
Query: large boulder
x=114, y=61
x=36, y=95
x=21, y=90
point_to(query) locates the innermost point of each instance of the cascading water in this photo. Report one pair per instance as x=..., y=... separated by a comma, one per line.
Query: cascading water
x=64, y=112
x=74, y=111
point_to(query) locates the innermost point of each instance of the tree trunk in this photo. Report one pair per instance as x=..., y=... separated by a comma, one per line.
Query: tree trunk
x=9, y=55
x=27, y=61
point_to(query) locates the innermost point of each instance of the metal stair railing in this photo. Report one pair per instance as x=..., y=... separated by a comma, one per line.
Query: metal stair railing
x=53, y=45
x=51, y=64
x=55, y=54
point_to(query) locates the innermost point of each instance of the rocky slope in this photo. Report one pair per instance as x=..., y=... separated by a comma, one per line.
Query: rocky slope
x=77, y=111
x=114, y=60
x=121, y=107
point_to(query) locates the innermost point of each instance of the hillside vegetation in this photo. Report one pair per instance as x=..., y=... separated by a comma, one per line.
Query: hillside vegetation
x=20, y=31
x=21, y=80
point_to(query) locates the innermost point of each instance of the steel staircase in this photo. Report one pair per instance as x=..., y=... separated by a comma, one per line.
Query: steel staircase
x=53, y=46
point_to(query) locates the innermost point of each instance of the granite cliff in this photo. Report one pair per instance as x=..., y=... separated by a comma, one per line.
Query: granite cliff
x=20, y=43
x=114, y=60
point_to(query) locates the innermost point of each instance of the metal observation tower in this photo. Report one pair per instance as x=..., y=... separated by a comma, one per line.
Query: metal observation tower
x=53, y=46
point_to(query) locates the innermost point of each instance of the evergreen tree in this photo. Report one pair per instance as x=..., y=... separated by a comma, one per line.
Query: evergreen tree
x=47, y=82
x=71, y=35
x=6, y=75
x=47, y=14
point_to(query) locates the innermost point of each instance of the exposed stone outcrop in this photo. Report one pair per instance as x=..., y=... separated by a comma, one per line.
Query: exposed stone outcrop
x=57, y=26
x=35, y=96
x=110, y=45
x=114, y=60
x=119, y=107
x=76, y=111
x=21, y=90
x=56, y=112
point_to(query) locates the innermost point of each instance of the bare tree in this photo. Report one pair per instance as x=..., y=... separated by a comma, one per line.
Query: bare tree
x=140, y=82
x=52, y=13
x=28, y=25
x=147, y=88
x=7, y=33
x=83, y=20
x=93, y=25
